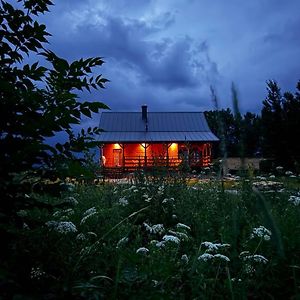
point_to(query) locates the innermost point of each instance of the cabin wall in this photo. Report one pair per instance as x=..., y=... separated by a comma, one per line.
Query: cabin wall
x=134, y=154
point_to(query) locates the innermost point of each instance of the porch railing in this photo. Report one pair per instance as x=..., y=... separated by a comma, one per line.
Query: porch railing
x=133, y=162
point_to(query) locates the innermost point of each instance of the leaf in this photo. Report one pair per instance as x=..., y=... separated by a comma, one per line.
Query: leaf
x=86, y=112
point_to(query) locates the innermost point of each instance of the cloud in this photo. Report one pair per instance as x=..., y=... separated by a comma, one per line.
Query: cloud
x=168, y=53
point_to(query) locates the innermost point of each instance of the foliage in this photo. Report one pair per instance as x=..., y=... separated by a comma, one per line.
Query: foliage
x=158, y=239
x=38, y=102
x=281, y=125
x=234, y=128
x=273, y=134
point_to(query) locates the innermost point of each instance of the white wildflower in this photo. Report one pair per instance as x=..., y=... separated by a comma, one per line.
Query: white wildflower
x=142, y=250
x=244, y=253
x=256, y=258
x=249, y=269
x=62, y=227
x=90, y=233
x=83, y=220
x=295, y=200
x=261, y=232
x=211, y=247
x=279, y=168
x=81, y=237
x=90, y=211
x=161, y=244
x=158, y=228
x=168, y=200
x=133, y=187
x=123, y=201
x=160, y=190
x=221, y=256
x=36, y=273
x=171, y=238
x=65, y=213
x=25, y=226
x=288, y=173
x=71, y=200
x=272, y=176
x=183, y=226
x=179, y=234
x=205, y=257
x=124, y=240
x=232, y=192
x=184, y=259
x=155, y=283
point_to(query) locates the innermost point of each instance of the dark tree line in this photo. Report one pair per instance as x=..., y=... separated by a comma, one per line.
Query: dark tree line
x=273, y=134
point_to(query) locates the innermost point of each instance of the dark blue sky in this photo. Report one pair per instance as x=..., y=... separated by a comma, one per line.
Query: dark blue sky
x=167, y=53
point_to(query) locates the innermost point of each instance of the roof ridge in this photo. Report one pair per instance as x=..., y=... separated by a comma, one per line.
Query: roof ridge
x=151, y=112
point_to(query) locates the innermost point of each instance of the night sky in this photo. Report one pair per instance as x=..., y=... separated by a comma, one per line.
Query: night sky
x=167, y=53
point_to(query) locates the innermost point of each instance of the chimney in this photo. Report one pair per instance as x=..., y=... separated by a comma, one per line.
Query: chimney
x=144, y=113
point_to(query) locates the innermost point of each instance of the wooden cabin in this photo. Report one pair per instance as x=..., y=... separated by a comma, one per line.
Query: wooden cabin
x=146, y=139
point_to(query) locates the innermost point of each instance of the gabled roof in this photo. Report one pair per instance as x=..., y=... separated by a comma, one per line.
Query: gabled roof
x=161, y=127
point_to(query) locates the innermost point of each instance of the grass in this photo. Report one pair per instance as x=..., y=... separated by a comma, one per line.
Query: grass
x=101, y=258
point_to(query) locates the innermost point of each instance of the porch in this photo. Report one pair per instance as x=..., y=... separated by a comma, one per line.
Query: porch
x=129, y=157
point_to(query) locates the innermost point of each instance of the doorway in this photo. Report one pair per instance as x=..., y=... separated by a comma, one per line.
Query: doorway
x=117, y=153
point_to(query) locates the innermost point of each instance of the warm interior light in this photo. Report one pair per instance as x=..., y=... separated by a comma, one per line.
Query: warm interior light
x=117, y=146
x=143, y=145
x=173, y=146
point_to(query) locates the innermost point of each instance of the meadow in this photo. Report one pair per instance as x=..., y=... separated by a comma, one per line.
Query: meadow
x=162, y=237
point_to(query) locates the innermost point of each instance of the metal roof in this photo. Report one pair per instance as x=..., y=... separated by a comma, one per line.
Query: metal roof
x=162, y=127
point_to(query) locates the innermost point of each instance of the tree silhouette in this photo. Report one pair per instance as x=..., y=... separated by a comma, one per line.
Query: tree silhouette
x=37, y=102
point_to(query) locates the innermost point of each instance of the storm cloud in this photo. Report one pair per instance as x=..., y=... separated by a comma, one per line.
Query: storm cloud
x=168, y=53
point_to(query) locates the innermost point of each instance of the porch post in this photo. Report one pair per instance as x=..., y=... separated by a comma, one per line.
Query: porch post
x=123, y=158
x=145, y=148
x=168, y=145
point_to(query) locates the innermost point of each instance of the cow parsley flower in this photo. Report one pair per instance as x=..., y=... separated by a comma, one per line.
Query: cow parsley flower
x=255, y=258
x=156, y=228
x=62, y=227
x=185, y=259
x=205, y=257
x=161, y=244
x=88, y=214
x=179, y=234
x=122, y=241
x=147, y=198
x=142, y=250
x=295, y=200
x=64, y=213
x=211, y=247
x=71, y=200
x=123, y=201
x=261, y=232
x=171, y=238
x=222, y=257
x=81, y=237
x=90, y=211
x=36, y=273
x=183, y=226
